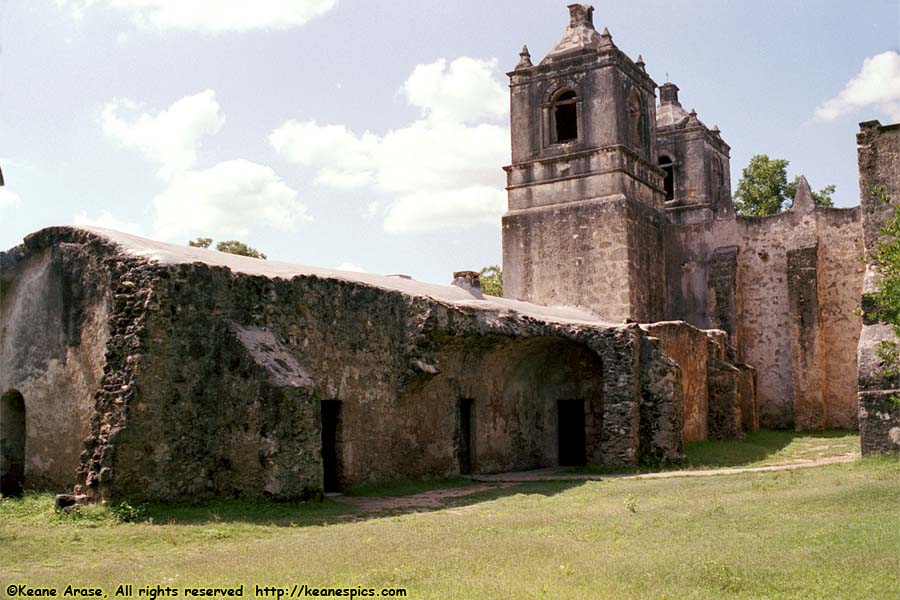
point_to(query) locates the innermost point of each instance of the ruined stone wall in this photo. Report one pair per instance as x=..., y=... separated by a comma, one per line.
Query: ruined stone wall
x=724, y=420
x=662, y=409
x=764, y=318
x=54, y=313
x=878, y=150
x=212, y=381
x=783, y=287
x=840, y=276
x=686, y=345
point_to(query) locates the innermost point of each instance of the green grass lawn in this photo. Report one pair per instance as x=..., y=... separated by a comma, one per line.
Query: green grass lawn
x=827, y=532
x=762, y=448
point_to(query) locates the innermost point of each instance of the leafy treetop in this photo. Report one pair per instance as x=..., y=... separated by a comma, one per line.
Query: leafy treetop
x=764, y=188
x=230, y=246
x=492, y=280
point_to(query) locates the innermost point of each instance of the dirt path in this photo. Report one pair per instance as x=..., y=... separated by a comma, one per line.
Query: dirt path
x=423, y=500
x=553, y=474
x=434, y=499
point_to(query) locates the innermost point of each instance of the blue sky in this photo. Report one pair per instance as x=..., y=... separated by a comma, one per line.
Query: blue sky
x=372, y=134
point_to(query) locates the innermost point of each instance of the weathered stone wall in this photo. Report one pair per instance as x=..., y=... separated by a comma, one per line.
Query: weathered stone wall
x=604, y=255
x=212, y=380
x=840, y=273
x=514, y=386
x=662, y=411
x=723, y=379
x=747, y=397
x=879, y=185
x=646, y=256
x=54, y=312
x=686, y=345
x=575, y=254
x=735, y=275
x=803, y=307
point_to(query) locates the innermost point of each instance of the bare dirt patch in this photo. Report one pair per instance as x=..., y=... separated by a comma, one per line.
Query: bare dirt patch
x=429, y=500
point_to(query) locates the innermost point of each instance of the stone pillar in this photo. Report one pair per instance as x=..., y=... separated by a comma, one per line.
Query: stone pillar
x=803, y=308
x=721, y=291
x=723, y=391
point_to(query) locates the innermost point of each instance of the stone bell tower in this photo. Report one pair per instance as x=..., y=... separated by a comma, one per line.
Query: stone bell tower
x=585, y=190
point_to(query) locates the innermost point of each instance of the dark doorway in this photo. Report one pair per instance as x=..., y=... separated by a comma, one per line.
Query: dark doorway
x=331, y=427
x=571, y=433
x=466, y=437
x=12, y=444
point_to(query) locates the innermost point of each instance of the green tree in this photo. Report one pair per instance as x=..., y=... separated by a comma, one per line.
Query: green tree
x=886, y=298
x=200, y=242
x=492, y=280
x=764, y=188
x=236, y=247
x=230, y=246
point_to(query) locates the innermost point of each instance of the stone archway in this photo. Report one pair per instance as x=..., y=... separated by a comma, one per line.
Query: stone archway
x=12, y=443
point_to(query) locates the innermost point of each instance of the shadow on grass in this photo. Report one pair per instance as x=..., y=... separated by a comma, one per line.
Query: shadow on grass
x=766, y=447
x=38, y=508
x=334, y=510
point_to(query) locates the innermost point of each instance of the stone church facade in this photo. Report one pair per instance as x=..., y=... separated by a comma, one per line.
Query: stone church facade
x=640, y=313
x=624, y=207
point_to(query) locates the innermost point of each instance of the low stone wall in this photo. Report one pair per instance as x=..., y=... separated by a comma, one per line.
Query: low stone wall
x=662, y=409
x=686, y=345
x=723, y=390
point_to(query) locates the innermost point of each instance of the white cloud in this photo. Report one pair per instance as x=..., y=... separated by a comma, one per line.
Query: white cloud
x=877, y=84
x=107, y=220
x=462, y=92
x=444, y=168
x=213, y=16
x=342, y=159
x=170, y=137
x=9, y=200
x=349, y=266
x=444, y=155
x=431, y=210
x=227, y=200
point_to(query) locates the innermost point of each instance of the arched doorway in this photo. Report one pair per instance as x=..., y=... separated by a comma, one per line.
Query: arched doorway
x=12, y=443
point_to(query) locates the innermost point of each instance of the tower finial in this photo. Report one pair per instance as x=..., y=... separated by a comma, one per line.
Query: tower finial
x=580, y=15
x=640, y=62
x=524, y=59
x=606, y=39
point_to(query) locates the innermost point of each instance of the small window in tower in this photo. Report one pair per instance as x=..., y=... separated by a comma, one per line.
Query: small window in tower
x=666, y=164
x=565, y=117
x=636, y=117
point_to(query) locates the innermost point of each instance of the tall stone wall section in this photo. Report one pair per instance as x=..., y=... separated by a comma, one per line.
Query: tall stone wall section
x=879, y=184
x=784, y=288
